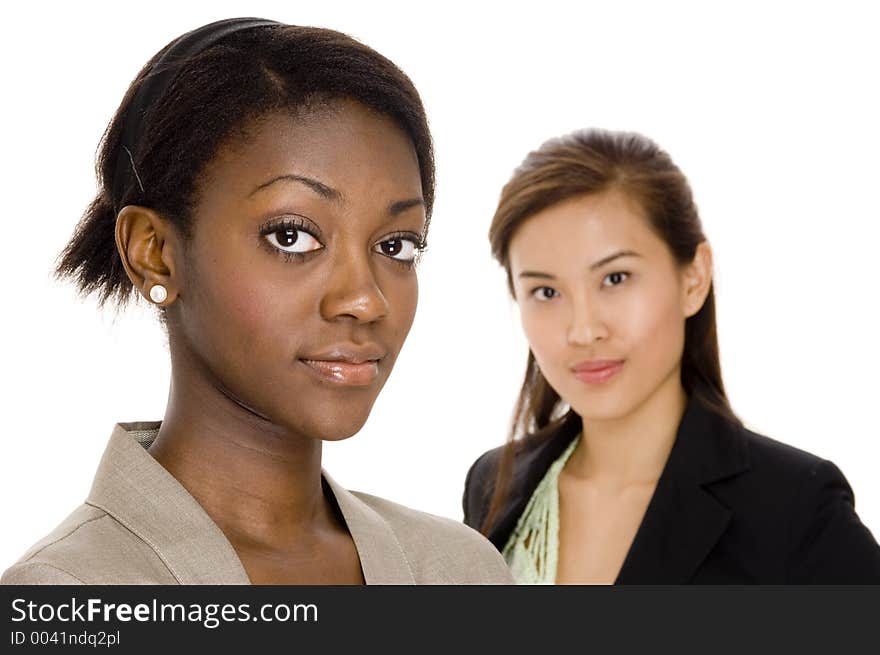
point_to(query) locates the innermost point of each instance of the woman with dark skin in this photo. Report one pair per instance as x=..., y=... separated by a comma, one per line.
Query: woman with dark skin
x=272, y=207
x=252, y=335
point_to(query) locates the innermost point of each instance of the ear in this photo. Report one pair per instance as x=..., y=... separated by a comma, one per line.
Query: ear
x=148, y=245
x=696, y=280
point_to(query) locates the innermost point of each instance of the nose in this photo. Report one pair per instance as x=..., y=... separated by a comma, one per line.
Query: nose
x=586, y=326
x=353, y=291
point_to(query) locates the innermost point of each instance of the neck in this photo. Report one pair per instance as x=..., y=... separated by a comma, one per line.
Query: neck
x=258, y=482
x=632, y=449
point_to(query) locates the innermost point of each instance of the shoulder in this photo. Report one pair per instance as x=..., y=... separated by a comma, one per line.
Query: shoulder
x=524, y=461
x=480, y=479
x=479, y=485
x=485, y=467
x=808, y=503
x=793, y=475
x=779, y=458
x=88, y=547
x=775, y=476
x=482, y=472
x=532, y=451
x=440, y=550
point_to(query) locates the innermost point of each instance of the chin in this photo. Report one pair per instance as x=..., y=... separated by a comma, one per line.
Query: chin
x=604, y=405
x=330, y=426
x=323, y=411
x=593, y=415
x=341, y=436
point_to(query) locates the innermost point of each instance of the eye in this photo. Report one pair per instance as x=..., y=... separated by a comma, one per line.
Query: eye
x=292, y=239
x=613, y=279
x=403, y=248
x=544, y=293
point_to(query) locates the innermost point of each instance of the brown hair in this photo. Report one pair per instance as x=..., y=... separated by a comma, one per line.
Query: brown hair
x=588, y=162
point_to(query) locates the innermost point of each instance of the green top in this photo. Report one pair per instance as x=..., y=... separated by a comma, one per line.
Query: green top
x=532, y=551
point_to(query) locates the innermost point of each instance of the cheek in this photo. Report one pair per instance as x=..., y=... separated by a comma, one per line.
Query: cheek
x=238, y=304
x=653, y=328
x=545, y=330
x=402, y=295
x=243, y=297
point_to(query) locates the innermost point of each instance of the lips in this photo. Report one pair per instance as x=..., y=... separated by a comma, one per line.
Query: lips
x=346, y=365
x=597, y=371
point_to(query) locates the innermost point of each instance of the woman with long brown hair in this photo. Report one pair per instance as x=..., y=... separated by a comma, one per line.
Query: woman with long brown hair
x=626, y=463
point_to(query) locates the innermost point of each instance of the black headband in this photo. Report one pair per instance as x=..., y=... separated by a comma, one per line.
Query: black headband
x=158, y=79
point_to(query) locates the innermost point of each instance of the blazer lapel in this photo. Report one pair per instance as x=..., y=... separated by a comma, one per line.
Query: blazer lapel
x=383, y=560
x=137, y=491
x=684, y=521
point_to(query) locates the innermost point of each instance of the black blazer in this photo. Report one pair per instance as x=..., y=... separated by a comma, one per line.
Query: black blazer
x=730, y=507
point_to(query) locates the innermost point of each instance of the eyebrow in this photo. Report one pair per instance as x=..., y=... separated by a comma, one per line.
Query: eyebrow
x=402, y=205
x=318, y=187
x=610, y=258
x=330, y=193
x=599, y=264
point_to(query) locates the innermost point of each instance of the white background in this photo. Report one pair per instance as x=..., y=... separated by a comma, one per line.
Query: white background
x=771, y=110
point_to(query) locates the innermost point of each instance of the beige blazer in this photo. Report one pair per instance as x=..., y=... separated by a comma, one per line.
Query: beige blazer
x=140, y=526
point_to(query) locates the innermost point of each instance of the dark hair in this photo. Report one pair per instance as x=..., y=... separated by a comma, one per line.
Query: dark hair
x=214, y=96
x=589, y=162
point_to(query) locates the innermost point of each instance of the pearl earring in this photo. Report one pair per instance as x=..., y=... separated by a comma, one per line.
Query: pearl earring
x=158, y=293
